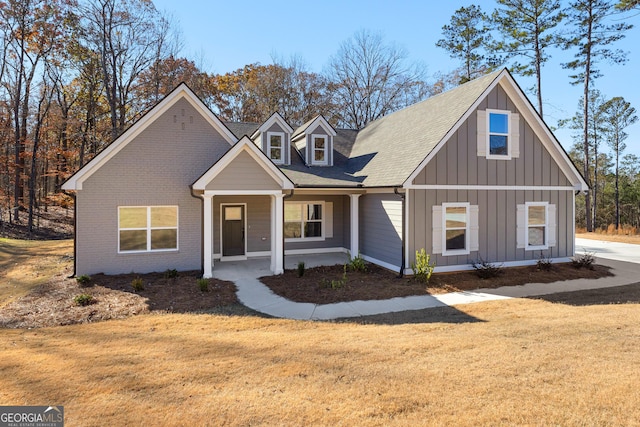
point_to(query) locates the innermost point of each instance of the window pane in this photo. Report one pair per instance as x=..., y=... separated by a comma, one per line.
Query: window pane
x=498, y=123
x=292, y=230
x=498, y=145
x=319, y=143
x=276, y=140
x=232, y=213
x=456, y=240
x=537, y=215
x=133, y=240
x=314, y=212
x=292, y=212
x=313, y=229
x=456, y=217
x=164, y=239
x=275, y=154
x=165, y=216
x=318, y=156
x=133, y=217
x=536, y=236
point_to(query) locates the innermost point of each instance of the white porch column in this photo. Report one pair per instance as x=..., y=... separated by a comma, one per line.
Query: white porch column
x=277, y=235
x=207, y=231
x=355, y=225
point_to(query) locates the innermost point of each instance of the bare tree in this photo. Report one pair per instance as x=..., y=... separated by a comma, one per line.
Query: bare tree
x=370, y=78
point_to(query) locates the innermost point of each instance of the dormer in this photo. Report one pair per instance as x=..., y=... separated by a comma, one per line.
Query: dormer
x=273, y=138
x=314, y=141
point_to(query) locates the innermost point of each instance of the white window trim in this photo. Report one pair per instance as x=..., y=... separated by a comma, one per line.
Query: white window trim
x=148, y=229
x=279, y=161
x=527, y=226
x=467, y=234
x=326, y=149
x=322, y=221
x=508, y=135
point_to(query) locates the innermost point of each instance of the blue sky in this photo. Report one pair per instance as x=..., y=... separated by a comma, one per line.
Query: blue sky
x=224, y=36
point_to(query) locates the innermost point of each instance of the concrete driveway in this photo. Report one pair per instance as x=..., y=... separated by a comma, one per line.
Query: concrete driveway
x=610, y=250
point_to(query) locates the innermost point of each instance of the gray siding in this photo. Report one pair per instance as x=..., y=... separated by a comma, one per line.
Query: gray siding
x=243, y=173
x=156, y=168
x=340, y=223
x=457, y=163
x=497, y=223
x=258, y=215
x=381, y=227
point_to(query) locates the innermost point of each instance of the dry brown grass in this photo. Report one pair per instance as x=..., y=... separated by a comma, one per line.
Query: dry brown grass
x=623, y=238
x=25, y=264
x=518, y=362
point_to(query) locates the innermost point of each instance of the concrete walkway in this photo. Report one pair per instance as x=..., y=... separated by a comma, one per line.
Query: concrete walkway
x=609, y=250
x=255, y=295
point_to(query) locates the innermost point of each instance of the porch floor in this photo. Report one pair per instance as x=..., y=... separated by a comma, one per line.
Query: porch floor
x=257, y=267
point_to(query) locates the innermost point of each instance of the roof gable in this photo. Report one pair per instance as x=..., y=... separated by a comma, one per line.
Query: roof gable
x=312, y=124
x=275, y=118
x=182, y=91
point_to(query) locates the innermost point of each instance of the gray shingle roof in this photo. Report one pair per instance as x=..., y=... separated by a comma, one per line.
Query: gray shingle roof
x=240, y=129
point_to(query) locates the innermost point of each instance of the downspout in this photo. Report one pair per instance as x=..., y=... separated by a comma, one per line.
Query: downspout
x=199, y=197
x=404, y=227
x=75, y=232
x=286, y=196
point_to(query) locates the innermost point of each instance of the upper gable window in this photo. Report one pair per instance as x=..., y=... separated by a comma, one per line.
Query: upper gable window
x=498, y=134
x=319, y=149
x=275, y=146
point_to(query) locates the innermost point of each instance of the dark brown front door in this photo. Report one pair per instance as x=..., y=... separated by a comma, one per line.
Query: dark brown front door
x=233, y=230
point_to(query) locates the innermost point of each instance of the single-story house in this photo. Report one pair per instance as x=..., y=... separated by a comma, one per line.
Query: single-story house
x=471, y=173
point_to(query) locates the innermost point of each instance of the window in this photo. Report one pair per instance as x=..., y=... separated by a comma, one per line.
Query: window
x=275, y=146
x=319, y=145
x=303, y=221
x=147, y=228
x=536, y=226
x=456, y=228
x=498, y=134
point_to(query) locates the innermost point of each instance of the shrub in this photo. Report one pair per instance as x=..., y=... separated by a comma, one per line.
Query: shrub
x=422, y=268
x=300, y=268
x=137, y=284
x=84, y=300
x=358, y=264
x=487, y=270
x=203, y=284
x=83, y=280
x=544, y=263
x=335, y=283
x=171, y=273
x=585, y=260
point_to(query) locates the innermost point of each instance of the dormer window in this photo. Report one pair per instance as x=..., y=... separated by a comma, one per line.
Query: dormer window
x=275, y=146
x=319, y=149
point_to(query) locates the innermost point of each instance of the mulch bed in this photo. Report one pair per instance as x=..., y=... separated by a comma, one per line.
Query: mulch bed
x=315, y=286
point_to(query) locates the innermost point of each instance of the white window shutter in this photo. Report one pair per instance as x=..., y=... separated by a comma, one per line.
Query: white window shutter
x=551, y=223
x=328, y=220
x=436, y=230
x=521, y=226
x=482, y=133
x=474, y=227
x=514, y=135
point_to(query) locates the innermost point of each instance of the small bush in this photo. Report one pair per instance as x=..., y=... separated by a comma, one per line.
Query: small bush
x=335, y=284
x=422, y=268
x=300, y=268
x=358, y=264
x=487, y=270
x=171, y=273
x=203, y=284
x=83, y=300
x=544, y=263
x=585, y=260
x=83, y=280
x=137, y=284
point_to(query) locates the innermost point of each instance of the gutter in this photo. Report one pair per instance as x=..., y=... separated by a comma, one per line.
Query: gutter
x=404, y=227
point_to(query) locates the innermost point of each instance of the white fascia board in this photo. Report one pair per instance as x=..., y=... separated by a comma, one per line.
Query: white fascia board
x=275, y=118
x=182, y=91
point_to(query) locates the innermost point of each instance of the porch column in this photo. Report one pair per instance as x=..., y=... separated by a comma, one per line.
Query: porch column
x=277, y=236
x=207, y=231
x=355, y=225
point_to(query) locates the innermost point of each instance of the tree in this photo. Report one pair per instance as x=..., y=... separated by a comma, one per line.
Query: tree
x=618, y=115
x=369, y=78
x=592, y=37
x=627, y=4
x=528, y=31
x=465, y=38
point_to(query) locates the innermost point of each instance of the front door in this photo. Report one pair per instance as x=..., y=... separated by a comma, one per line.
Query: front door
x=233, y=230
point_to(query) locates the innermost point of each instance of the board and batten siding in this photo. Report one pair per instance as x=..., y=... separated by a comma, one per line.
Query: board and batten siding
x=340, y=224
x=458, y=163
x=497, y=223
x=156, y=168
x=258, y=220
x=243, y=173
x=381, y=228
